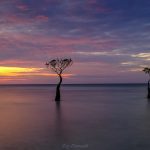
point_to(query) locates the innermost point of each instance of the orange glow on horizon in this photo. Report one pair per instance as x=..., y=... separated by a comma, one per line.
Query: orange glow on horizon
x=15, y=71
x=19, y=71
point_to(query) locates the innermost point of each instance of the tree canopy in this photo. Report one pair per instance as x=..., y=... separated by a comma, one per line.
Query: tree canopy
x=58, y=65
x=147, y=70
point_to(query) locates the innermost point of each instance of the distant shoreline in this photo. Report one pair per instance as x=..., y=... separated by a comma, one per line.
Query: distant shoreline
x=84, y=84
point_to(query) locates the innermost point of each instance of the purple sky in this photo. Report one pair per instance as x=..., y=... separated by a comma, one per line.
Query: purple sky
x=108, y=40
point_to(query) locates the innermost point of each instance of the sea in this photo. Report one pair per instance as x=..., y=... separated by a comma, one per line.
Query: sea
x=89, y=117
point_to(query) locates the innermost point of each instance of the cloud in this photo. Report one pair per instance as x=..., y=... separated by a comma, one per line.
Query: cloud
x=102, y=53
x=22, y=7
x=145, y=56
x=129, y=63
x=42, y=18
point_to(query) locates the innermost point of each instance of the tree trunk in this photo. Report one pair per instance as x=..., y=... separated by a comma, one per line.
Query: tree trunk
x=148, y=88
x=57, y=98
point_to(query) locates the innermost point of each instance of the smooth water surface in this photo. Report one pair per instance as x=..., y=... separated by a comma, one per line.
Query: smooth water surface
x=96, y=117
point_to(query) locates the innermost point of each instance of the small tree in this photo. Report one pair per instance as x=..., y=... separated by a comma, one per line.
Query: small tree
x=147, y=71
x=58, y=66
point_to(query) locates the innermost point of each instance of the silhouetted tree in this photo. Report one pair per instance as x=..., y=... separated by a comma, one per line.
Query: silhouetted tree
x=58, y=66
x=147, y=71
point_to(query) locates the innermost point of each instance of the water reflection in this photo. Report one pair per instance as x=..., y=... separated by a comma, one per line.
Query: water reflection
x=60, y=125
x=31, y=120
x=58, y=120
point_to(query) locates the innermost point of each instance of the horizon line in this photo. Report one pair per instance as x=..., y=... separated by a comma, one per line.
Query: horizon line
x=70, y=84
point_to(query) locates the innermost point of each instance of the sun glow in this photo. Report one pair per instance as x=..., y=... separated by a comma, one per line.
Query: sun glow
x=19, y=71
x=15, y=71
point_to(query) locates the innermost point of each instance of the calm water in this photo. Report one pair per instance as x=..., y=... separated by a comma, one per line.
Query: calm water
x=106, y=117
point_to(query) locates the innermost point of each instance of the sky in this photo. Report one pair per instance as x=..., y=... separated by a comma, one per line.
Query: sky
x=108, y=40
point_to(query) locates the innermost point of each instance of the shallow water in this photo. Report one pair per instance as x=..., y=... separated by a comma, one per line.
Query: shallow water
x=102, y=117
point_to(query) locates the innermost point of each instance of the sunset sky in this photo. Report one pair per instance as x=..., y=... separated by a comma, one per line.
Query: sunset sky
x=108, y=40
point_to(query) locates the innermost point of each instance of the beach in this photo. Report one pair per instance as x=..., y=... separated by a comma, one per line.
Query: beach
x=89, y=117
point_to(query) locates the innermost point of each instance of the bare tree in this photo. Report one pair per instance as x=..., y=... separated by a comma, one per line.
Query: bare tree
x=147, y=71
x=58, y=66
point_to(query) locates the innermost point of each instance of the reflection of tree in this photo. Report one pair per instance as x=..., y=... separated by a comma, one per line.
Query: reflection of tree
x=58, y=66
x=147, y=71
x=61, y=136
